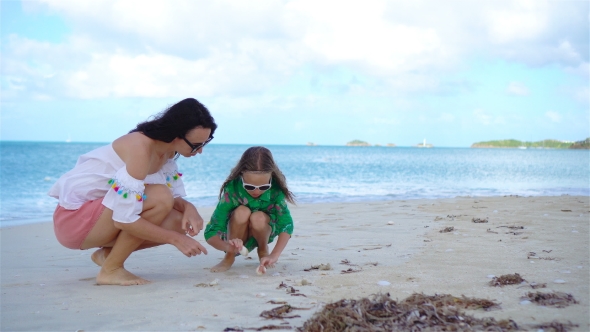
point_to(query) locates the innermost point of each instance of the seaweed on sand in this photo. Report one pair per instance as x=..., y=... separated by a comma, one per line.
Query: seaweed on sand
x=555, y=326
x=416, y=313
x=444, y=300
x=447, y=229
x=507, y=279
x=324, y=267
x=281, y=312
x=555, y=299
x=263, y=328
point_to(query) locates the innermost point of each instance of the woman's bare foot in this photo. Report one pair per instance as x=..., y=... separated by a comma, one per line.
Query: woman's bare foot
x=99, y=256
x=225, y=264
x=119, y=276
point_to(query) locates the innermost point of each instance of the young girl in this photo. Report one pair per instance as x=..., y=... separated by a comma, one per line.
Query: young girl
x=127, y=195
x=252, y=211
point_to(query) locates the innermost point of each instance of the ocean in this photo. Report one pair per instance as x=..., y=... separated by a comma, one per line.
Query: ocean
x=317, y=174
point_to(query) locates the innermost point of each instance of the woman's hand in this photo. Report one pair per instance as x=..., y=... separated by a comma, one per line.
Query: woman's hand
x=189, y=246
x=192, y=223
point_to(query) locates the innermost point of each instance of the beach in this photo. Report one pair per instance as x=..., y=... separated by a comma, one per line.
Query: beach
x=338, y=251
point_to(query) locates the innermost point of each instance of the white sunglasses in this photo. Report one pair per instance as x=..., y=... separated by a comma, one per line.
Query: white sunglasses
x=250, y=187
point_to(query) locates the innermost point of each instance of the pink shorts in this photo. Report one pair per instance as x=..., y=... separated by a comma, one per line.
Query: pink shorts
x=72, y=226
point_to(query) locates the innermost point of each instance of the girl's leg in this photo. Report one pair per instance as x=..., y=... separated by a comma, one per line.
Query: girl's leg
x=237, y=229
x=157, y=208
x=260, y=230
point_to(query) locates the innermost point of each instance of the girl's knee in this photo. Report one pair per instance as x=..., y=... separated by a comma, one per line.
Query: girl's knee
x=259, y=220
x=241, y=214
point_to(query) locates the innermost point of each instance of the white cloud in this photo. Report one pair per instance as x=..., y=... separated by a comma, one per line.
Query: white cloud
x=447, y=117
x=480, y=116
x=567, y=51
x=582, y=94
x=299, y=125
x=130, y=48
x=357, y=33
x=553, y=116
x=518, y=88
x=522, y=20
x=385, y=121
x=582, y=70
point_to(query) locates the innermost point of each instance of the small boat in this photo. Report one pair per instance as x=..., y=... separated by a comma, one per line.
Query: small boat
x=424, y=144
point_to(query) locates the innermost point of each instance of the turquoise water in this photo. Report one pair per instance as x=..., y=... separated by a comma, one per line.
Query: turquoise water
x=317, y=173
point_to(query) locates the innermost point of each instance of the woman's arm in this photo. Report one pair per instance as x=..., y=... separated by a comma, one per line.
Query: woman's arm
x=137, y=151
x=192, y=222
x=144, y=229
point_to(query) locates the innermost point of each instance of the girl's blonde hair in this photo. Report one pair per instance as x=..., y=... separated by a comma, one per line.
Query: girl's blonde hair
x=259, y=159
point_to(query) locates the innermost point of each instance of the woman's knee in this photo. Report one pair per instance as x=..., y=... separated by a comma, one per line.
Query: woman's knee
x=259, y=220
x=241, y=214
x=159, y=197
x=173, y=221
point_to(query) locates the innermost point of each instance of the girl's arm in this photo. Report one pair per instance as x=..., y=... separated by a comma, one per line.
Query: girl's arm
x=282, y=241
x=233, y=245
x=271, y=259
x=216, y=229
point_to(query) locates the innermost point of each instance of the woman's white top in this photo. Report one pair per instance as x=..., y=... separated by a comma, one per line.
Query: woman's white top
x=102, y=173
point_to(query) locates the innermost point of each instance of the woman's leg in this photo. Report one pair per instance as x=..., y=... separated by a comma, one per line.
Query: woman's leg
x=172, y=222
x=260, y=230
x=237, y=229
x=157, y=208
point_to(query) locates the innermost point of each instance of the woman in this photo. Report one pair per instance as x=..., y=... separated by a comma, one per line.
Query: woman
x=127, y=196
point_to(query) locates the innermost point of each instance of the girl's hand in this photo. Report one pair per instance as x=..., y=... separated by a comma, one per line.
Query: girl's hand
x=269, y=261
x=192, y=223
x=235, y=245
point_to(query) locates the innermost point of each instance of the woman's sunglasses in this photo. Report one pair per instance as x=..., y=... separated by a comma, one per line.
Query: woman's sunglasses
x=251, y=187
x=196, y=147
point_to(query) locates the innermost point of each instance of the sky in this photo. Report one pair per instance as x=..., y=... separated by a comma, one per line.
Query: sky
x=453, y=72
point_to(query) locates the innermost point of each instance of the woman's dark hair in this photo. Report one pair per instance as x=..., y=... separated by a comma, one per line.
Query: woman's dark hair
x=177, y=121
x=258, y=159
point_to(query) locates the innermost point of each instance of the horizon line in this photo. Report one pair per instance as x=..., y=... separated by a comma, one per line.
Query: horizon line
x=304, y=144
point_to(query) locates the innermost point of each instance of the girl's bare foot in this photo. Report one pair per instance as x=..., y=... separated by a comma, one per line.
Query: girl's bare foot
x=225, y=264
x=119, y=276
x=100, y=255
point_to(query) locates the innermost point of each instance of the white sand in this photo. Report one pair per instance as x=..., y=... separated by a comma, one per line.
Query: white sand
x=46, y=287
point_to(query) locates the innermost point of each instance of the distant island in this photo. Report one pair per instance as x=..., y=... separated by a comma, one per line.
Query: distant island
x=547, y=144
x=357, y=142
x=585, y=144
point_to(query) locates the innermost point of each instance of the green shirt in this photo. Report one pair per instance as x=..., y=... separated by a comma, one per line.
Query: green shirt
x=272, y=202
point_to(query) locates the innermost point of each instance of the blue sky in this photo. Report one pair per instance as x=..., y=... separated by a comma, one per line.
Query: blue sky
x=291, y=72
